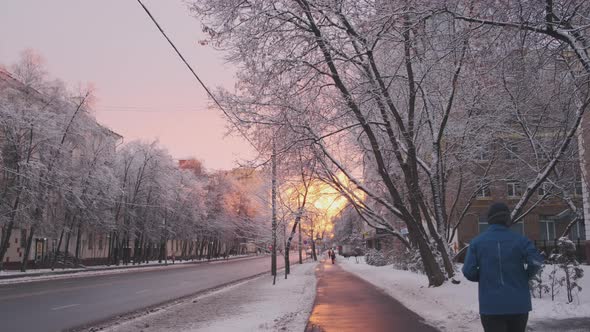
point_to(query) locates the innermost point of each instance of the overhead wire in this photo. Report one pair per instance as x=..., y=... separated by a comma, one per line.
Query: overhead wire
x=231, y=120
x=140, y=109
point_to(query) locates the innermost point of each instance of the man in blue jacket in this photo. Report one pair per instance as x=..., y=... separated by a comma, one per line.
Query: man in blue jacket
x=503, y=262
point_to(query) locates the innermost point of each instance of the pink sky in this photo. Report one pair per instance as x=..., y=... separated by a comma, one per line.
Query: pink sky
x=143, y=90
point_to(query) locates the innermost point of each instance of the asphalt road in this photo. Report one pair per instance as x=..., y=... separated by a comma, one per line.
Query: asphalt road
x=57, y=305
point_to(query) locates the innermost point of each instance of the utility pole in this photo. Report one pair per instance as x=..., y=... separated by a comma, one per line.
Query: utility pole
x=300, y=254
x=273, y=262
x=286, y=254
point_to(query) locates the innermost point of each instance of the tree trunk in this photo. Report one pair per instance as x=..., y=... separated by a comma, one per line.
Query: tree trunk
x=273, y=258
x=8, y=230
x=204, y=243
x=109, y=249
x=211, y=249
x=218, y=249
x=137, y=247
x=121, y=250
x=78, y=241
x=5, y=239
x=127, y=249
x=314, y=256
x=56, y=253
x=23, y=267
x=115, y=248
x=160, y=251
x=184, y=249
x=287, y=265
x=190, y=250
x=300, y=244
x=67, y=248
x=433, y=271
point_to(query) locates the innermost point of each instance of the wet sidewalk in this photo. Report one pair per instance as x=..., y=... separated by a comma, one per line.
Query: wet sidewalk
x=345, y=303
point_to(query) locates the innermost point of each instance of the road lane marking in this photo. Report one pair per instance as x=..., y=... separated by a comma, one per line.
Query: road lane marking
x=54, y=290
x=142, y=291
x=65, y=306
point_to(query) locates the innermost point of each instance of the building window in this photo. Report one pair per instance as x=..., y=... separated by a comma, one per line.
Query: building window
x=482, y=153
x=578, y=231
x=90, y=241
x=514, y=189
x=511, y=151
x=483, y=225
x=544, y=188
x=547, y=228
x=484, y=190
x=377, y=244
x=100, y=242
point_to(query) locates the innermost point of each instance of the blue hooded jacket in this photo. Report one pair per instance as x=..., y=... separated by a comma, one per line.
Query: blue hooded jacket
x=503, y=262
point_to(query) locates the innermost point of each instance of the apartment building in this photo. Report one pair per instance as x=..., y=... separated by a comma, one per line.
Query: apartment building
x=93, y=245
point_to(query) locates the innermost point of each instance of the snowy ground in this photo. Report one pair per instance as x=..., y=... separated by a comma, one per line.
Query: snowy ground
x=47, y=274
x=455, y=307
x=254, y=305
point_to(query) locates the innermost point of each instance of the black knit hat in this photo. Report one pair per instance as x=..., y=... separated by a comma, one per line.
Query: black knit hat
x=499, y=213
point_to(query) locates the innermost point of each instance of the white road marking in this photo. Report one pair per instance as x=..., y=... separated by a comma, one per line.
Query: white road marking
x=142, y=291
x=65, y=307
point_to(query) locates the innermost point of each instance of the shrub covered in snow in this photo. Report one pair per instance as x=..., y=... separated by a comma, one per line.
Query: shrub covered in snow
x=561, y=274
x=376, y=257
x=408, y=260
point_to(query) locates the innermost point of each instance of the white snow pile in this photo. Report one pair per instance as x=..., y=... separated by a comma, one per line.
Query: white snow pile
x=455, y=307
x=254, y=305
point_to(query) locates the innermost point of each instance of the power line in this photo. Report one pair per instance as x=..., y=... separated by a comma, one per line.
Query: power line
x=148, y=109
x=197, y=76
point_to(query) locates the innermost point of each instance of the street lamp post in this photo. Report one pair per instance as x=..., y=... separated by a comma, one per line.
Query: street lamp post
x=273, y=262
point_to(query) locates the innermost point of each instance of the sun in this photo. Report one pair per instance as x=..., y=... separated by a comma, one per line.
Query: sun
x=324, y=202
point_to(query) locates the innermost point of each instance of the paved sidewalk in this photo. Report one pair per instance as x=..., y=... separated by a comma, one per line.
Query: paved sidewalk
x=345, y=302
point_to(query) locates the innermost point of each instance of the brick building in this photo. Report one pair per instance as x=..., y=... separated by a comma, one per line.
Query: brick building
x=547, y=221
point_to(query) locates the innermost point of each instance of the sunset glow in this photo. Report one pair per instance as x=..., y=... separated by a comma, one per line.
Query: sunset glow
x=324, y=203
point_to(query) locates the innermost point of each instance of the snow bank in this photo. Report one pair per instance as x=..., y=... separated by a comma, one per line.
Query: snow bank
x=254, y=305
x=455, y=307
x=544, y=308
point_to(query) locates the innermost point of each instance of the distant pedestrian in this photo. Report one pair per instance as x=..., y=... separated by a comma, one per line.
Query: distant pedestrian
x=332, y=256
x=503, y=262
